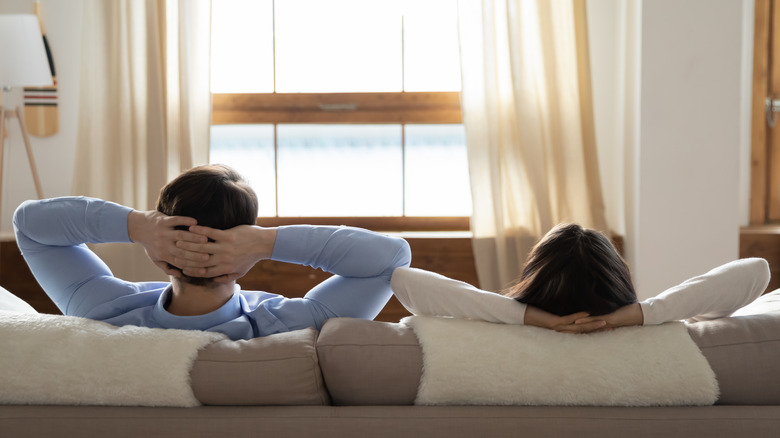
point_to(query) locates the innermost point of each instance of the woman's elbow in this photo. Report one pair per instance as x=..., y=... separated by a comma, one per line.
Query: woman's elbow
x=760, y=272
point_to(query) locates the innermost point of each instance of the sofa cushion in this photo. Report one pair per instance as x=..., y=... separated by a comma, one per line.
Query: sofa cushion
x=369, y=362
x=280, y=369
x=376, y=363
x=744, y=351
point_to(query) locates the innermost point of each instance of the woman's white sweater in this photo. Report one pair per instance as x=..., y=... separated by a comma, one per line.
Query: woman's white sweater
x=716, y=294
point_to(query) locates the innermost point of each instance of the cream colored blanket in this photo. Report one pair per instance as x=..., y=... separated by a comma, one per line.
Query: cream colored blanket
x=50, y=359
x=479, y=363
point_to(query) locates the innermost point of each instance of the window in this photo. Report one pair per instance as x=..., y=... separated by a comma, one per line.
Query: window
x=342, y=108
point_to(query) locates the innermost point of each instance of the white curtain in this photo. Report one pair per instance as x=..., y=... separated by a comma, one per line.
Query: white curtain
x=527, y=110
x=145, y=104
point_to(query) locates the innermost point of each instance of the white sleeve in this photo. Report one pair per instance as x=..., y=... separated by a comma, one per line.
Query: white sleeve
x=430, y=294
x=716, y=294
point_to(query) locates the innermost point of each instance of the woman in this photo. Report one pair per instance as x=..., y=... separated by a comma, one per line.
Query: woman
x=575, y=281
x=52, y=234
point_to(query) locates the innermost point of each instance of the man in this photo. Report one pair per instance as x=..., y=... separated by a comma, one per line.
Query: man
x=210, y=211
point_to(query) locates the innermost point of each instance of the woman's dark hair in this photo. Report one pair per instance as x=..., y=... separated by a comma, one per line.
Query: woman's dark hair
x=215, y=195
x=574, y=269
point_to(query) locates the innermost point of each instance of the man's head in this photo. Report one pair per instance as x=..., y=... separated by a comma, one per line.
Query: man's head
x=574, y=269
x=215, y=195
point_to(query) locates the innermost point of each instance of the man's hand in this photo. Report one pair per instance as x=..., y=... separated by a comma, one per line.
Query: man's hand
x=537, y=317
x=625, y=316
x=230, y=254
x=158, y=235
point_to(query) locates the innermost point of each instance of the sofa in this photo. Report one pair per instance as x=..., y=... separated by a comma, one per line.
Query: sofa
x=360, y=378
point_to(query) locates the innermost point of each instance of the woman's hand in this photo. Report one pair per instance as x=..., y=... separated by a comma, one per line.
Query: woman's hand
x=625, y=316
x=158, y=235
x=229, y=255
x=568, y=324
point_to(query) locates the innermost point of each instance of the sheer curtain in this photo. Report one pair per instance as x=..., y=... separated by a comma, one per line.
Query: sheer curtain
x=145, y=105
x=527, y=110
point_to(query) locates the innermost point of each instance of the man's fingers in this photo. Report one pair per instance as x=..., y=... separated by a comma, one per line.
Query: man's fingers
x=186, y=236
x=211, y=233
x=196, y=248
x=176, y=221
x=168, y=270
x=205, y=271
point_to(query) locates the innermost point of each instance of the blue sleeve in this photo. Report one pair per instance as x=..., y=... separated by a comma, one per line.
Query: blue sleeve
x=51, y=235
x=363, y=262
x=344, y=251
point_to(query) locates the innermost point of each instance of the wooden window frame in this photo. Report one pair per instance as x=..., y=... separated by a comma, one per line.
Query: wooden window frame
x=273, y=108
x=347, y=108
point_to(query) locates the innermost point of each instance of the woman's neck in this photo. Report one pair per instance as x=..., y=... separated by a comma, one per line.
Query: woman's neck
x=190, y=300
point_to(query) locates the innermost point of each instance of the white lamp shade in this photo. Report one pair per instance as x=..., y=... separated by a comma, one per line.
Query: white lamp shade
x=23, y=60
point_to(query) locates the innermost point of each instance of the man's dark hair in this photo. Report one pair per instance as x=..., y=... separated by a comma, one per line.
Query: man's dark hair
x=574, y=269
x=215, y=195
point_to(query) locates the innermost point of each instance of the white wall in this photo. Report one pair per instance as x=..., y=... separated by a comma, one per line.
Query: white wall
x=54, y=155
x=675, y=110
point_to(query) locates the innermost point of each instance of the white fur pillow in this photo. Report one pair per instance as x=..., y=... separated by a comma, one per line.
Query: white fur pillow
x=11, y=303
x=479, y=363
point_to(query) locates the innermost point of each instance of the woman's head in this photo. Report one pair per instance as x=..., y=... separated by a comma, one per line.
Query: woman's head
x=215, y=195
x=574, y=269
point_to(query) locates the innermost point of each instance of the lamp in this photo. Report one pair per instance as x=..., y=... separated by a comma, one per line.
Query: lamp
x=23, y=62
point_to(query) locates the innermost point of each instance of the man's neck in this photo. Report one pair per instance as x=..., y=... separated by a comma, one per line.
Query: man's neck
x=190, y=300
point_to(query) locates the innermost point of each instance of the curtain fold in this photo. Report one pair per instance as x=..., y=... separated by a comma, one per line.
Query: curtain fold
x=527, y=111
x=145, y=104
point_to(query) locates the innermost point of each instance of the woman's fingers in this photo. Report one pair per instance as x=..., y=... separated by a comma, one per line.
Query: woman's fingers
x=582, y=328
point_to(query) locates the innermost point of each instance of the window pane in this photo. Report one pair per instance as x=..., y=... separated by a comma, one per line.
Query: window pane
x=250, y=150
x=437, y=175
x=242, y=46
x=340, y=170
x=431, y=56
x=338, y=46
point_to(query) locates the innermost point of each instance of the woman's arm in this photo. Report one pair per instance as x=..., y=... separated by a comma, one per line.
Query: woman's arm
x=716, y=294
x=430, y=294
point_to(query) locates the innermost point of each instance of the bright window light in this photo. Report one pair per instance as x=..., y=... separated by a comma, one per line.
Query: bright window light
x=340, y=170
x=250, y=150
x=431, y=57
x=242, y=50
x=337, y=46
x=437, y=174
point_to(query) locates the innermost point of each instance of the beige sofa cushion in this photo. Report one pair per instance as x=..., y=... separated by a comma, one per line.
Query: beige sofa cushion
x=280, y=369
x=369, y=362
x=744, y=352
x=376, y=363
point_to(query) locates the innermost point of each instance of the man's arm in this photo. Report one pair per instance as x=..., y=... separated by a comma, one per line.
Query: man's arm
x=52, y=233
x=345, y=251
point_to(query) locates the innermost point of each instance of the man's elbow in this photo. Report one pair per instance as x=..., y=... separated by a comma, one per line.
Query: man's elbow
x=402, y=256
